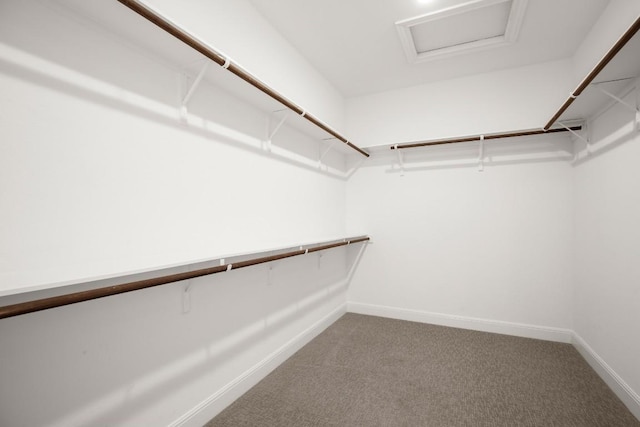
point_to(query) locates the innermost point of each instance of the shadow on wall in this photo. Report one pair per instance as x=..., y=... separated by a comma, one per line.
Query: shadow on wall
x=56, y=49
x=106, y=361
x=606, y=136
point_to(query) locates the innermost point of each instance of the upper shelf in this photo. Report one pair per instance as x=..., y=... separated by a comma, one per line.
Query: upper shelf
x=615, y=73
x=156, y=34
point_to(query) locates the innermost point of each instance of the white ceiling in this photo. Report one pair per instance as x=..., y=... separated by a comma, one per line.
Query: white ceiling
x=355, y=45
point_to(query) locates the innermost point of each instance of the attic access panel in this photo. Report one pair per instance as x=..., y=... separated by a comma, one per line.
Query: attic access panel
x=465, y=28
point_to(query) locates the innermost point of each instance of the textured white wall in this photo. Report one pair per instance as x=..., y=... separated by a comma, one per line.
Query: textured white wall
x=616, y=19
x=514, y=99
x=237, y=29
x=98, y=176
x=449, y=239
x=607, y=244
x=101, y=177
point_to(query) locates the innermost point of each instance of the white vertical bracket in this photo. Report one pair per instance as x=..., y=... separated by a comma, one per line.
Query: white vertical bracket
x=272, y=133
x=400, y=160
x=585, y=130
x=638, y=105
x=320, y=255
x=635, y=108
x=618, y=99
x=191, y=91
x=186, y=298
x=270, y=274
x=323, y=154
x=481, y=155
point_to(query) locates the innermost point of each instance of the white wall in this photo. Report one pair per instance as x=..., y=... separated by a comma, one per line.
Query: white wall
x=237, y=29
x=137, y=360
x=514, y=99
x=493, y=245
x=607, y=246
x=616, y=19
x=99, y=176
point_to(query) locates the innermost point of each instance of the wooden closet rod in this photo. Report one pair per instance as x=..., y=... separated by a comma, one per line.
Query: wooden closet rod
x=75, y=297
x=219, y=59
x=622, y=41
x=486, y=137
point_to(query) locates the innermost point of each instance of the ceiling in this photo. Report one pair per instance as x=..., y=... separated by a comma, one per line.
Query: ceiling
x=356, y=46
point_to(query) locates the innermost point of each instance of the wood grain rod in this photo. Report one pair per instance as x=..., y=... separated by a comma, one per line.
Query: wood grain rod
x=615, y=49
x=486, y=137
x=221, y=60
x=76, y=297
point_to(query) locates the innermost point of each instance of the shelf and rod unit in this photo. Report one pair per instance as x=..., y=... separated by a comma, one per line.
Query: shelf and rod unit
x=600, y=66
x=617, y=47
x=483, y=137
x=227, y=64
x=101, y=292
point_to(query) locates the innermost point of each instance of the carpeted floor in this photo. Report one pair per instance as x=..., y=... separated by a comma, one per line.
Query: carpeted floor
x=371, y=371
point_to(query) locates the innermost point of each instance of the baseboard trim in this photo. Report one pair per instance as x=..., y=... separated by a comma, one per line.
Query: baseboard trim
x=215, y=403
x=628, y=396
x=476, y=324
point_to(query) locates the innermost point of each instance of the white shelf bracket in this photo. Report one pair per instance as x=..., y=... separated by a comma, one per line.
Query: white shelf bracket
x=586, y=139
x=323, y=154
x=270, y=274
x=272, y=133
x=481, y=155
x=638, y=105
x=400, y=160
x=618, y=99
x=192, y=90
x=186, y=298
x=355, y=167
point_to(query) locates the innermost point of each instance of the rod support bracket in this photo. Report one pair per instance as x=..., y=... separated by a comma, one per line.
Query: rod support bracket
x=585, y=130
x=617, y=99
x=186, y=298
x=271, y=133
x=400, y=160
x=323, y=154
x=191, y=90
x=481, y=155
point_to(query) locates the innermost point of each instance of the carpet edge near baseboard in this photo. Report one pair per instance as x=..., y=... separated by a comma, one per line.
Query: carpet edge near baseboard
x=629, y=397
x=624, y=392
x=214, y=404
x=476, y=324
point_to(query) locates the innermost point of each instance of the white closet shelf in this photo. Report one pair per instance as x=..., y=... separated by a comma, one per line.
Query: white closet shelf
x=101, y=288
x=616, y=72
x=145, y=28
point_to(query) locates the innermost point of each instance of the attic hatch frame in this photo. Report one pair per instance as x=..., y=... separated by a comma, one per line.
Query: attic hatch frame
x=511, y=31
x=226, y=63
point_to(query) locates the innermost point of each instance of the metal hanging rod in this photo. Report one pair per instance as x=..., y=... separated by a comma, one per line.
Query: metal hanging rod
x=485, y=137
x=226, y=63
x=76, y=297
x=617, y=47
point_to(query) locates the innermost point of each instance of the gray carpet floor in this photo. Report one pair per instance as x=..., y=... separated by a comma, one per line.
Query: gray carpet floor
x=371, y=371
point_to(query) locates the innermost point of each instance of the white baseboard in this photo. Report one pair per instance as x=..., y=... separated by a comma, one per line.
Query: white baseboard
x=628, y=396
x=485, y=325
x=215, y=403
